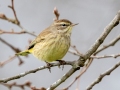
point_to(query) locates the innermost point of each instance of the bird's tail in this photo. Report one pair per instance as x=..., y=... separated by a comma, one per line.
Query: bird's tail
x=23, y=53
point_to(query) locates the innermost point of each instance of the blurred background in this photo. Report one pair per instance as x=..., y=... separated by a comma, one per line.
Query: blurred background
x=36, y=15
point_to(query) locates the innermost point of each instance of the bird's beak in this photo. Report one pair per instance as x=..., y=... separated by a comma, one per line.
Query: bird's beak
x=75, y=24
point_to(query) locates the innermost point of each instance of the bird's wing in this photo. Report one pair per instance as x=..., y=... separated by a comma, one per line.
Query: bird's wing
x=39, y=38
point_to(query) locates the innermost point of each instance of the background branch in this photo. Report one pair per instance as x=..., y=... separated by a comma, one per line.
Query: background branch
x=15, y=21
x=20, y=32
x=108, y=72
x=106, y=56
x=7, y=61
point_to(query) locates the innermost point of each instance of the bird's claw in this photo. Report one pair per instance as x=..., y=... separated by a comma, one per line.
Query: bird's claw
x=61, y=63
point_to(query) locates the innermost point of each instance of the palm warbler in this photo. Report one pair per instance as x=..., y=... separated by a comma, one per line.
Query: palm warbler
x=52, y=43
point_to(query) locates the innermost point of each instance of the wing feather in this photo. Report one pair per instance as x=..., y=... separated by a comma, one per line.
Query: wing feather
x=40, y=37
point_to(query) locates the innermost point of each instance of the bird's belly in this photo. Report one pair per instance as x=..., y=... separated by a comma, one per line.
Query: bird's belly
x=54, y=50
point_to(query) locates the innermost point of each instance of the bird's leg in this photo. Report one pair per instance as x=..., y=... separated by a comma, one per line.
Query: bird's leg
x=49, y=66
x=62, y=62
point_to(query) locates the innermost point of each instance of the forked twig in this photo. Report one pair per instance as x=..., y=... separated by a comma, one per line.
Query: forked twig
x=77, y=51
x=15, y=21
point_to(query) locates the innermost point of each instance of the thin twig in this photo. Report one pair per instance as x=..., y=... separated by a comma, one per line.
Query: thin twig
x=4, y=17
x=73, y=52
x=77, y=51
x=7, y=61
x=106, y=56
x=108, y=72
x=13, y=32
x=14, y=84
x=98, y=57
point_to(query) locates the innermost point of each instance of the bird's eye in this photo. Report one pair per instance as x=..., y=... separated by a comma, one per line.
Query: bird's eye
x=63, y=24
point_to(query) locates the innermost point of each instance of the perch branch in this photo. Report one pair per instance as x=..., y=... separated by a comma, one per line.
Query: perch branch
x=33, y=71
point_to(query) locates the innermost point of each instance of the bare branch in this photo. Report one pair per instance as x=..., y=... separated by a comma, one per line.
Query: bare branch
x=108, y=72
x=106, y=56
x=33, y=71
x=13, y=32
x=14, y=84
x=97, y=57
x=80, y=62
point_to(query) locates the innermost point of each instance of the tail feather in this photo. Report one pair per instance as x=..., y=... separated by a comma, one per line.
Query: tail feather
x=23, y=53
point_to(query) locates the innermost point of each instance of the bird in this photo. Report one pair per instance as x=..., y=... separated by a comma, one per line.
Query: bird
x=52, y=43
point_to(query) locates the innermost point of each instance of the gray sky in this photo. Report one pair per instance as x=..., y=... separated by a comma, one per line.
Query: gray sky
x=36, y=15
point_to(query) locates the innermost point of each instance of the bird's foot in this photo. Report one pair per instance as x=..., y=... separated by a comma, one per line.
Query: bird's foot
x=49, y=66
x=62, y=62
